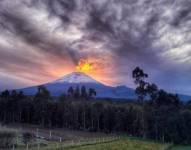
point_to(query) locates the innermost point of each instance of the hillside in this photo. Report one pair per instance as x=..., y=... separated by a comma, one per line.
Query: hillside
x=75, y=79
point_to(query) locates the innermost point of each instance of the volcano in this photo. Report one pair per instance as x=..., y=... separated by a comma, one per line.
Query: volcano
x=74, y=79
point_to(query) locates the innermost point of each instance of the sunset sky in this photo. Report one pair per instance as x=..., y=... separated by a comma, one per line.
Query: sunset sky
x=42, y=40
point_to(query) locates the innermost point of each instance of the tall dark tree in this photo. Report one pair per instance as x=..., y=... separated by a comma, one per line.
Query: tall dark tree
x=14, y=94
x=5, y=94
x=142, y=89
x=21, y=95
x=139, y=76
x=42, y=100
x=63, y=97
x=70, y=92
x=98, y=112
x=152, y=90
x=92, y=92
x=43, y=93
x=84, y=92
x=77, y=92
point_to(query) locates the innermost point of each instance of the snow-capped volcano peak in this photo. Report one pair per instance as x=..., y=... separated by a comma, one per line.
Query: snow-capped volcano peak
x=76, y=77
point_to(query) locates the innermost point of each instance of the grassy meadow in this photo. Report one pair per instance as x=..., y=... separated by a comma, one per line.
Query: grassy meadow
x=122, y=144
x=181, y=148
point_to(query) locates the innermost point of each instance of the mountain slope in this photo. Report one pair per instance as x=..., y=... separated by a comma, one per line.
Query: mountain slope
x=74, y=79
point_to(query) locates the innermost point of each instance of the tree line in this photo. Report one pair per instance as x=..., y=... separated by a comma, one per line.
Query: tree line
x=155, y=114
x=80, y=93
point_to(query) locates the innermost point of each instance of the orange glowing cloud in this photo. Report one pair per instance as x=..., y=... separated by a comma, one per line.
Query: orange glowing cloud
x=84, y=66
x=100, y=68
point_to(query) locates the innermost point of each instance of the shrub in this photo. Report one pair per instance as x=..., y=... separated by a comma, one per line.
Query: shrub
x=27, y=137
x=7, y=137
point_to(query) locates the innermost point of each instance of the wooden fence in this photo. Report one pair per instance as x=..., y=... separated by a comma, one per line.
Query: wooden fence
x=52, y=142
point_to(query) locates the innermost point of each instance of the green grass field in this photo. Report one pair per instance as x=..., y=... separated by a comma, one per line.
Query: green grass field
x=181, y=148
x=123, y=144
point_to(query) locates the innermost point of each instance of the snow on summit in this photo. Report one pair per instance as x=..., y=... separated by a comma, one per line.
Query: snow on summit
x=76, y=77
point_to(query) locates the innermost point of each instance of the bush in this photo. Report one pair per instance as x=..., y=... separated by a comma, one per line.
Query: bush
x=27, y=137
x=7, y=137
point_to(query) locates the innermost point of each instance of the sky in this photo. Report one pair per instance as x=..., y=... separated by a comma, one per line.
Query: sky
x=42, y=40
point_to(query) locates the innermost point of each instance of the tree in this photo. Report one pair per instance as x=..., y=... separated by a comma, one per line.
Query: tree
x=186, y=115
x=84, y=92
x=70, y=92
x=14, y=94
x=43, y=93
x=62, y=98
x=7, y=138
x=27, y=137
x=21, y=95
x=5, y=94
x=152, y=90
x=98, y=110
x=139, y=76
x=92, y=92
x=142, y=90
x=77, y=92
x=41, y=102
x=164, y=98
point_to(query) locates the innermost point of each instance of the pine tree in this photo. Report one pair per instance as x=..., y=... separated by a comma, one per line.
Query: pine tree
x=77, y=92
x=70, y=92
x=84, y=92
x=92, y=93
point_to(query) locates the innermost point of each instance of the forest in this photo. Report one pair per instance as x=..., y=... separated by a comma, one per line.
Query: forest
x=155, y=114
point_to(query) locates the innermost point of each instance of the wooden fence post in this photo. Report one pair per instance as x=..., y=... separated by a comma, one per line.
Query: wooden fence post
x=38, y=146
x=37, y=132
x=17, y=139
x=50, y=134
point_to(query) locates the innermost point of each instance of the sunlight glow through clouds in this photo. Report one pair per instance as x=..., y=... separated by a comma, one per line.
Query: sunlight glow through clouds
x=43, y=40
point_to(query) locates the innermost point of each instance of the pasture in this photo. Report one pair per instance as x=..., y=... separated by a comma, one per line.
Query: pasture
x=65, y=139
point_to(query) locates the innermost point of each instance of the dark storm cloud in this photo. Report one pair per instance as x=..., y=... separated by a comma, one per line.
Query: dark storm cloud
x=20, y=26
x=183, y=14
x=136, y=43
x=152, y=34
x=59, y=8
x=104, y=22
